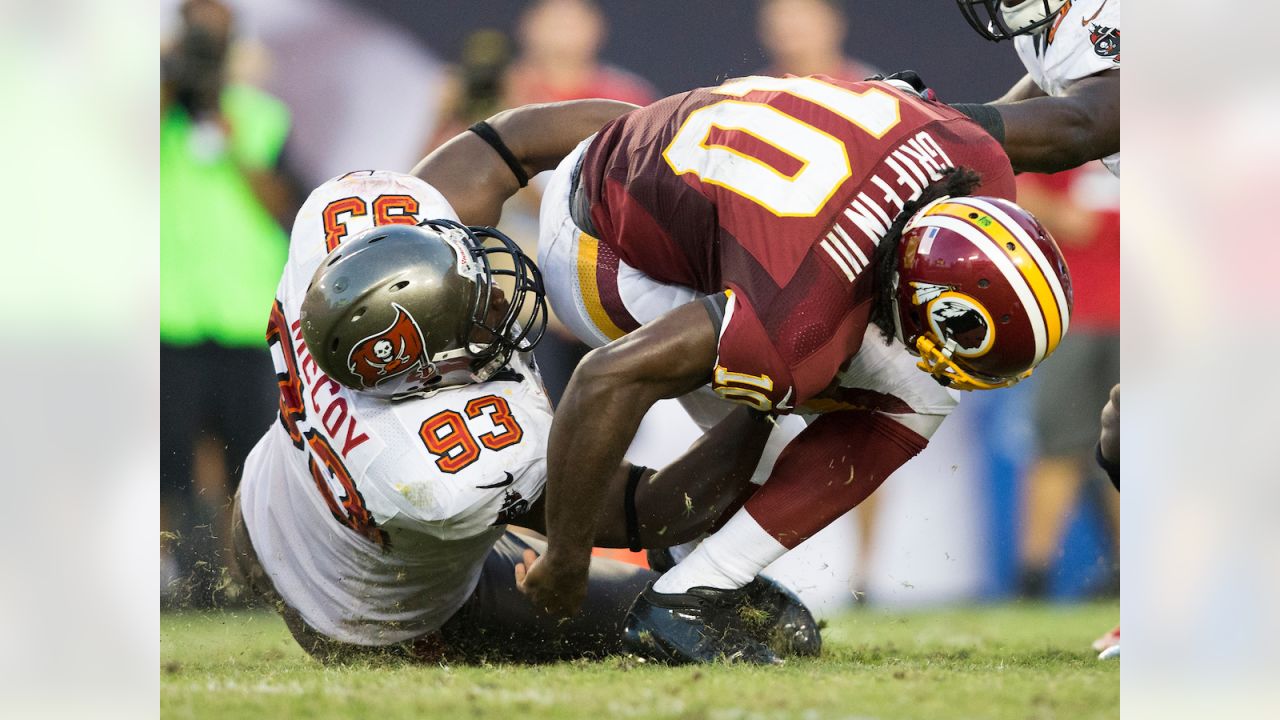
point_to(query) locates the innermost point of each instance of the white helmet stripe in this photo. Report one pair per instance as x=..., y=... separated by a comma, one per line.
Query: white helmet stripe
x=1005, y=266
x=1050, y=275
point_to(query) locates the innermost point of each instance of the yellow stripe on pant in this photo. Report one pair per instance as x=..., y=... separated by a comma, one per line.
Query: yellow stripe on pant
x=588, y=252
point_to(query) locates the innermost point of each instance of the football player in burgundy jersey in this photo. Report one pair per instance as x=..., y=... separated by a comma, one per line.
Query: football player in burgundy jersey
x=801, y=245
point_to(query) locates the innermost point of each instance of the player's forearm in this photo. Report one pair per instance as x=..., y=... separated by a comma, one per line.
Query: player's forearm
x=1047, y=135
x=685, y=498
x=593, y=427
x=1050, y=134
x=607, y=397
x=541, y=135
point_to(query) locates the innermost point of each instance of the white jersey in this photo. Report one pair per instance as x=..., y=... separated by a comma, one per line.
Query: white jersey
x=1084, y=41
x=373, y=518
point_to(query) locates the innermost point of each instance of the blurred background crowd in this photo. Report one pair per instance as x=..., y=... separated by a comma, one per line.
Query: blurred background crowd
x=263, y=101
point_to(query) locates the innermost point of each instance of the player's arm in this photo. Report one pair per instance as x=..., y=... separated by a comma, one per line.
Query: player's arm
x=475, y=178
x=1024, y=89
x=1050, y=134
x=608, y=395
x=682, y=500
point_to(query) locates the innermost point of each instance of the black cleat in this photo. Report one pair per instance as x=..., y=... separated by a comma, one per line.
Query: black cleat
x=699, y=626
x=792, y=630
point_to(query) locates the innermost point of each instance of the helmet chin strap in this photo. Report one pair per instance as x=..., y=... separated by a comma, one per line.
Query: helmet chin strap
x=1029, y=12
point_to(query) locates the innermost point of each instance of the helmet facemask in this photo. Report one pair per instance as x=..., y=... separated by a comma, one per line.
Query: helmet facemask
x=495, y=333
x=996, y=21
x=939, y=357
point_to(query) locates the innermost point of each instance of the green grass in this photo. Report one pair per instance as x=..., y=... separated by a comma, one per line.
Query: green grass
x=1010, y=661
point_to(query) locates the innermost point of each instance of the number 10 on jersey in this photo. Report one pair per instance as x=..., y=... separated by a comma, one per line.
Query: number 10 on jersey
x=822, y=158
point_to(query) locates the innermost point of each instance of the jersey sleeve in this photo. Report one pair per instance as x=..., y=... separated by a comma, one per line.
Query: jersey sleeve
x=773, y=366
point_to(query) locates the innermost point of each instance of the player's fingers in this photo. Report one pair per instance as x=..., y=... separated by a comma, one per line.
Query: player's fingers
x=521, y=572
x=529, y=556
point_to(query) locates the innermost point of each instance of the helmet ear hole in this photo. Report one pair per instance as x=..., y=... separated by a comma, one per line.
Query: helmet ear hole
x=334, y=259
x=399, y=286
x=359, y=314
x=984, y=283
x=333, y=344
x=1004, y=319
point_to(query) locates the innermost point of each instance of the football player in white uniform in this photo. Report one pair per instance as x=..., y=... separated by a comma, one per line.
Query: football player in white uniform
x=413, y=423
x=1066, y=110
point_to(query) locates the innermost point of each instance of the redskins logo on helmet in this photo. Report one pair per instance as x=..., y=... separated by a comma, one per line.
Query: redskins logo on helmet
x=982, y=294
x=957, y=318
x=392, y=352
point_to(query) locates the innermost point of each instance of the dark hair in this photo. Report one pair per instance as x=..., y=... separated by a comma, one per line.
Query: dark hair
x=955, y=182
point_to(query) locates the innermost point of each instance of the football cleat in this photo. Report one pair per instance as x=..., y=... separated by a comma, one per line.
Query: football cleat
x=753, y=624
x=793, y=630
x=702, y=625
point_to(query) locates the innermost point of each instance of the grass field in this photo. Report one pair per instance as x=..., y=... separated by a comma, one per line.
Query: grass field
x=1009, y=661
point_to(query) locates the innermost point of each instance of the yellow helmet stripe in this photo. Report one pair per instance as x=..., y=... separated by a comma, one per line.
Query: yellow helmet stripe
x=1014, y=249
x=982, y=242
x=1049, y=271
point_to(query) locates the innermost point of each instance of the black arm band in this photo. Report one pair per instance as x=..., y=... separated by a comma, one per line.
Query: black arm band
x=986, y=116
x=715, y=306
x=629, y=504
x=489, y=135
x=1113, y=469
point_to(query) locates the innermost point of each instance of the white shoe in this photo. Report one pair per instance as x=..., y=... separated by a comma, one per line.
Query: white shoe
x=1110, y=653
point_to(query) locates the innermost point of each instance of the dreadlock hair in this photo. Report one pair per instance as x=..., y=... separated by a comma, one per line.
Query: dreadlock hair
x=955, y=182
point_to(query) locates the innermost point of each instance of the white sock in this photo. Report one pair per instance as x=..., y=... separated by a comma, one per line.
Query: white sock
x=729, y=559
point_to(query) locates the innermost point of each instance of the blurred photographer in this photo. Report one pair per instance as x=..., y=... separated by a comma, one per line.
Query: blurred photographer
x=221, y=250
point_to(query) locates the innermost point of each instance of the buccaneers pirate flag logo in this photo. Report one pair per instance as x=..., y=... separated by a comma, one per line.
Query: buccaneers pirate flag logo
x=1106, y=42
x=394, y=351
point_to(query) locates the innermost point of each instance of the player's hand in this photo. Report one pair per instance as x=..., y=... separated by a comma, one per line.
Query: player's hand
x=550, y=586
x=1109, y=442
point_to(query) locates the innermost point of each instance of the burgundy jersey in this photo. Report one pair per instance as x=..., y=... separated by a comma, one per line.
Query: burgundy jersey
x=776, y=190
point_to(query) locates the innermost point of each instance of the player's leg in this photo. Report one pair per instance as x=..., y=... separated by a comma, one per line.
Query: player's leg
x=693, y=610
x=1063, y=425
x=499, y=623
x=1073, y=387
x=830, y=467
x=253, y=578
x=596, y=295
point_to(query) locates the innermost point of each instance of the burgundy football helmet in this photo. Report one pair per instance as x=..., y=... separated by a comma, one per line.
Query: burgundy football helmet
x=981, y=294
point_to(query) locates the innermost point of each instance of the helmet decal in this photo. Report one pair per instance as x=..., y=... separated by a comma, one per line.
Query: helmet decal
x=962, y=320
x=391, y=352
